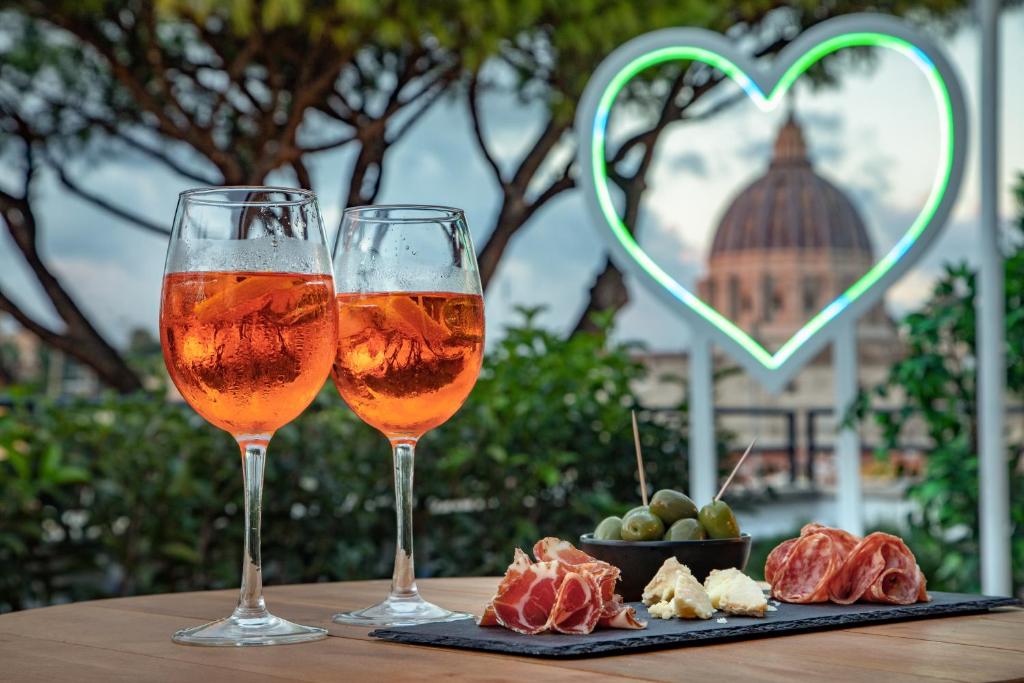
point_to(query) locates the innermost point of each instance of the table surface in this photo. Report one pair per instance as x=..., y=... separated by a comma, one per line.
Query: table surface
x=128, y=639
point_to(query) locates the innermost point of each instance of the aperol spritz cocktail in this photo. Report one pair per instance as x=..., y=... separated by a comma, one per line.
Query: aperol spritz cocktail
x=410, y=344
x=239, y=345
x=406, y=361
x=248, y=326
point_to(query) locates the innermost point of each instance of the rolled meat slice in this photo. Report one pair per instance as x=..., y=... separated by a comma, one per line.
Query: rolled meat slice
x=525, y=604
x=520, y=563
x=776, y=559
x=548, y=549
x=881, y=568
x=808, y=567
x=617, y=614
x=844, y=540
x=578, y=605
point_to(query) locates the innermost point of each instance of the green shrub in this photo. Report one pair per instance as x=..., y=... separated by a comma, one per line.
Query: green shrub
x=936, y=384
x=133, y=495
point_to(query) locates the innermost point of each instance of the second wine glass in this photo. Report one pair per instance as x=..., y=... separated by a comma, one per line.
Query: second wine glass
x=410, y=345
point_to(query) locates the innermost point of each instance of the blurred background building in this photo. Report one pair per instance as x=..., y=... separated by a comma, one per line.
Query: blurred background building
x=786, y=245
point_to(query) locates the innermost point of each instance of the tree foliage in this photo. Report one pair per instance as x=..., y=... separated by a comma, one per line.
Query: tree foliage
x=130, y=495
x=230, y=91
x=936, y=384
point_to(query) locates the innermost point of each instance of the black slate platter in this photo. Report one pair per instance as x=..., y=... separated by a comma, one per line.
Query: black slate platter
x=664, y=633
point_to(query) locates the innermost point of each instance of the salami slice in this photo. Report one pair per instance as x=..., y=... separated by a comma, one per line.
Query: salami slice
x=804, y=575
x=777, y=559
x=881, y=568
x=844, y=540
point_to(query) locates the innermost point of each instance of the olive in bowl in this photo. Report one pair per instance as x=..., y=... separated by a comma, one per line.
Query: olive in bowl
x=639, y=560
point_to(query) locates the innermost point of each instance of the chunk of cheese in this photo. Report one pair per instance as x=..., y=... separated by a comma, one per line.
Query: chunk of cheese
x=674, y=592
x=691, y=601
x=662, y=587
x=733, y=592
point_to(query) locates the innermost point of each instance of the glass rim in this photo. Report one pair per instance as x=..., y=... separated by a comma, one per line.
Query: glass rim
x=199, y=195
x=433, y=213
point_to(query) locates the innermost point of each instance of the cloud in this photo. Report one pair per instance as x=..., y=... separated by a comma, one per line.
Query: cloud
x=692, y=162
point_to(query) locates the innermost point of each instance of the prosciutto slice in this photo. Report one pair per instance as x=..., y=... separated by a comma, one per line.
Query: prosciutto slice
x=881, y=568
x=549, y=549
x=520, y=563
x=525, y=605
x=618, y=614
x=565, y=590
x=578, y=605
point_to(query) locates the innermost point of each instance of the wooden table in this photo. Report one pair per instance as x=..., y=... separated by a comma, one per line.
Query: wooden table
x=128, y=639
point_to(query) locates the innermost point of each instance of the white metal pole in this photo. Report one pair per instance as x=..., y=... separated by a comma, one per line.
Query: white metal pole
x=993, y=477
x=703, y=455
x=849, y=501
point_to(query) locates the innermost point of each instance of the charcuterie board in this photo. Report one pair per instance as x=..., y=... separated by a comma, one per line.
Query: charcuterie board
x=665, y=633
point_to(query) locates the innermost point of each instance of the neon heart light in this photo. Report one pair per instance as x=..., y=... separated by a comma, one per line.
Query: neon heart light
x=867, y=30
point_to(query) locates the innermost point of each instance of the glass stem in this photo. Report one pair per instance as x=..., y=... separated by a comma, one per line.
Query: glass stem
x=250, y=599
x=403, y=581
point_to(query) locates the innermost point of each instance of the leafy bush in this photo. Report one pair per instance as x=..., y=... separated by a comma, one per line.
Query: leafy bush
x=936, y=384
x=132, y=495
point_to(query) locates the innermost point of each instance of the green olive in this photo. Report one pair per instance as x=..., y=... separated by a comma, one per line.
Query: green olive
x=610, y=529
x=672, y=506
x=632, y=510
x=686, y=529
x=718, y=520
x=642, y=525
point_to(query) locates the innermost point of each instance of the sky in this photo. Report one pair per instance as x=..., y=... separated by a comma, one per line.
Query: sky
x=873, y=136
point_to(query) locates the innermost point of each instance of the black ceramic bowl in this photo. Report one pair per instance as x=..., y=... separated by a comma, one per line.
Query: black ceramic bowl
x=640, y=560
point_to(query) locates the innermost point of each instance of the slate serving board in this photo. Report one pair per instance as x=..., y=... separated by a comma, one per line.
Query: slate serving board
x=664, y=633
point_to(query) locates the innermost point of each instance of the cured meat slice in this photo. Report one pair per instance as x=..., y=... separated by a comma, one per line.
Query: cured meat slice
x=803, y=575
x=525, y=603
x=776, y=559
x=578, y=605
x=488, y=618
x=520, y=563
x=554, y=549
x=566, y=590
x=617, y=614
x=548, y=549
x=845, y=541
x=604, y=574
x=881, y=568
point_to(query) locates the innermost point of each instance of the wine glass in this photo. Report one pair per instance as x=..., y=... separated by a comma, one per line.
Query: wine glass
x=248, y=327
x=410, y=344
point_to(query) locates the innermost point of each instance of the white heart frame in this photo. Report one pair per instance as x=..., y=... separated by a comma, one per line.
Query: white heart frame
x=773, y=370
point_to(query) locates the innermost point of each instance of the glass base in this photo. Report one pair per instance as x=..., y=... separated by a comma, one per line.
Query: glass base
x=236, y=631
x=395, y=611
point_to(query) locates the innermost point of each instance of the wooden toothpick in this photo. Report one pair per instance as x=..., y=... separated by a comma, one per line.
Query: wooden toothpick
x=639, y=459
x=735, y=470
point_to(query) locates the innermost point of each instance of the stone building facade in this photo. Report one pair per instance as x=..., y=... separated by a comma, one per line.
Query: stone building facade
x=787, y=245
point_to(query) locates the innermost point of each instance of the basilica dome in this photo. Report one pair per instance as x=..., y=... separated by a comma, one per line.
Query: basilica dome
x=790, y=207
x=789, y=243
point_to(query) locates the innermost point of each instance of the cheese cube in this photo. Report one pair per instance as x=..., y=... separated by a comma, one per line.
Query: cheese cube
x=733, y=592
x=674, y=592
x=691, y=601
x=662, y=587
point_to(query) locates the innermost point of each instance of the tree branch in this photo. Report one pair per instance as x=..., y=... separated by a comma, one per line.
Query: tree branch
x=302, y=173
x=106, y=205
x=474, y=115
x=439, y=88
x=564, y=183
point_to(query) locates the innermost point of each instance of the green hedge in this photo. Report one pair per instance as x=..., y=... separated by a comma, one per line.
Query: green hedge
x=132, y=495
